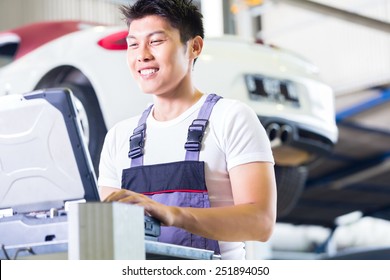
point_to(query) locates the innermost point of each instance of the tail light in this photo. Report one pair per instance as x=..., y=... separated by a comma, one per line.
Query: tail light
x=114, y=42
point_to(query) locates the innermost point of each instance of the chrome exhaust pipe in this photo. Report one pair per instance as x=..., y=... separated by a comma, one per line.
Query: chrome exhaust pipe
x=273, y=131
x=286, y=133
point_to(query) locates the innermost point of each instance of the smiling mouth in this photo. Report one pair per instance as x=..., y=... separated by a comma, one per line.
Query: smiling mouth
x=148, y=72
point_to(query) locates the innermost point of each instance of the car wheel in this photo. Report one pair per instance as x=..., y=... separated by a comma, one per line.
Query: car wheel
x=91, y=118
x=290, y=183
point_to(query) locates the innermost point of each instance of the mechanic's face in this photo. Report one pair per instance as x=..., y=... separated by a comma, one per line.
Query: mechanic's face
x=158, y=60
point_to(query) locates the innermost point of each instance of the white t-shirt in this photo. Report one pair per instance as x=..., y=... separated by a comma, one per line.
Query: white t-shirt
x=233, y=137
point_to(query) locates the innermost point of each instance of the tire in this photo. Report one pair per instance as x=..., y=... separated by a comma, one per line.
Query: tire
x=91, y=119
x=290, y=183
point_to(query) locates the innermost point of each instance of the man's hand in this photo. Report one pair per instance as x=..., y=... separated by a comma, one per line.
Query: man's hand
x=165, y=214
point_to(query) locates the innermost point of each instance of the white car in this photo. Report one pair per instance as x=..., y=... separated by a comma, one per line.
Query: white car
x=296, y=108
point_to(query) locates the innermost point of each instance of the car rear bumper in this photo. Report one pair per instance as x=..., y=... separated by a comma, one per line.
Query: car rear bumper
x=294, y=143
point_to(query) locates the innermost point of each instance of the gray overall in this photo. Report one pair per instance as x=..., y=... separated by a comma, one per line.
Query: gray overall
x=176, y=183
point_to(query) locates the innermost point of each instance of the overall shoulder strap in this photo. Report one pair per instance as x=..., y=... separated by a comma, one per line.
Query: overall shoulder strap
x=198, y=127
x=137, y=140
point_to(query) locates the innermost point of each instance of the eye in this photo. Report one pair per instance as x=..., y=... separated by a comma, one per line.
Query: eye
x=132, y=45
x=156, y=42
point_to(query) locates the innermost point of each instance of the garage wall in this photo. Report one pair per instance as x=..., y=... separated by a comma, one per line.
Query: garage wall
x=14, y=13
x=351, y=57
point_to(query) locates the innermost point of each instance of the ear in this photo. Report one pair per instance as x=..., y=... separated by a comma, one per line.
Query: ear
x=196, y=47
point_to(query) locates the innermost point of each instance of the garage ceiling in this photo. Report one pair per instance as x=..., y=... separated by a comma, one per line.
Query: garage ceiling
x=325, y=8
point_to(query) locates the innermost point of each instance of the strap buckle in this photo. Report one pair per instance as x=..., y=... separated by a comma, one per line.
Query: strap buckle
x=195, y=135
x=137, y=141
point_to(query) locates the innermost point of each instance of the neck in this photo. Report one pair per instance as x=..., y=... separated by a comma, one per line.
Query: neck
x=168, y=108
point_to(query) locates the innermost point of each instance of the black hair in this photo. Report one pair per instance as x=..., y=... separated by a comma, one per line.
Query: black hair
x=183, y=15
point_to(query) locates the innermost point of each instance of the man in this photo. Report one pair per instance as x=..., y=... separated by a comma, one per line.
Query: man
x=199, y=163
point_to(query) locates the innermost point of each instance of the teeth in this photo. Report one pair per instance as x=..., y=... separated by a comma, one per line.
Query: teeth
x=148, y=71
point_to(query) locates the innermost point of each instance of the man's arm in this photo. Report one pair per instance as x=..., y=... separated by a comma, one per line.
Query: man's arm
x=251, y=218
x=254, y=214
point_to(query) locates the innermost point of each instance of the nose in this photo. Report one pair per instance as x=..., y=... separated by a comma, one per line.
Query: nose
x=144, y=54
